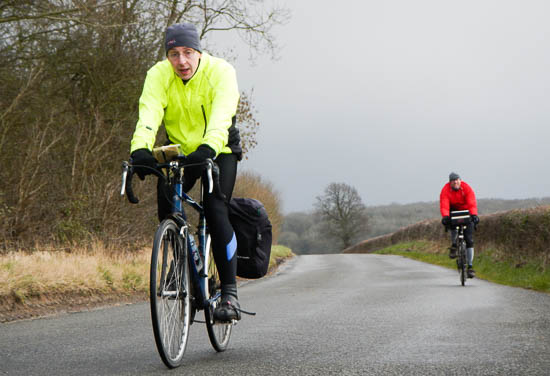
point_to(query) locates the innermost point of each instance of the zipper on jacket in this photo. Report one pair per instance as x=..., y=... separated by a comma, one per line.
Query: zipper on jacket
x=204, y=116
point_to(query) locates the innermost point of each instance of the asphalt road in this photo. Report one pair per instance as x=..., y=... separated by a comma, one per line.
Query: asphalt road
x=320, y=315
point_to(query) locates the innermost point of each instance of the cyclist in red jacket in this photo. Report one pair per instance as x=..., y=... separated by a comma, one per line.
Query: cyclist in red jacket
x=458, y=195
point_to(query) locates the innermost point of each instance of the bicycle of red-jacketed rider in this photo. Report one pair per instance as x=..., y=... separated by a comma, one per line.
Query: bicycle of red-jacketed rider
x=460, y=219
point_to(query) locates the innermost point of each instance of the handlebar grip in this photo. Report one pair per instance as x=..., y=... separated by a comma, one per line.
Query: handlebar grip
x=127, y=175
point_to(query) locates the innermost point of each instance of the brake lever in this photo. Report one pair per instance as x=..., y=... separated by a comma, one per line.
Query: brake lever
x=125, y=168
x=209, y=165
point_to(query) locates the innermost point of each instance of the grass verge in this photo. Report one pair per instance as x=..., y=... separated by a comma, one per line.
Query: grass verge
x=32, y=282
x=279, y=253
x=530, y=275
x=40, y=273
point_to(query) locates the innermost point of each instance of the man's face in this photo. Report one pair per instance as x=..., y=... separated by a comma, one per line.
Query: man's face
x=184, y=60
x=455, y=184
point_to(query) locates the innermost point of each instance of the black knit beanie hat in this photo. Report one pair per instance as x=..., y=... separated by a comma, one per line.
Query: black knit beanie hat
x=453, y=176
x=182, y=35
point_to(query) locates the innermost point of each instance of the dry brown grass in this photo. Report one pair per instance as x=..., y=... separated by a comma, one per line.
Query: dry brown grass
x=25, y=275
x=46, y=281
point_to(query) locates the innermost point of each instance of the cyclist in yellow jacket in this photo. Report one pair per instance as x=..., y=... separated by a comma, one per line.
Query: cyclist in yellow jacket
x=196, y=96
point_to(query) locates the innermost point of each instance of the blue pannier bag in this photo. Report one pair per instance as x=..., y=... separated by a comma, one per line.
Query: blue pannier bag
x=253, y=232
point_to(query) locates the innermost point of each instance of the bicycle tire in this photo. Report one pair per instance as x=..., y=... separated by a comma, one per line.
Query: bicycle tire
x=218, y=333
x=169, y=293
x=462, y=258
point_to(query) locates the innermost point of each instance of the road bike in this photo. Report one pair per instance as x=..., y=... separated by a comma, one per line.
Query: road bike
x=460, y=219
x=183, y=277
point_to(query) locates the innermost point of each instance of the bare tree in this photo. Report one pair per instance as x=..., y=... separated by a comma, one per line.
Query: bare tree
x=343, y=213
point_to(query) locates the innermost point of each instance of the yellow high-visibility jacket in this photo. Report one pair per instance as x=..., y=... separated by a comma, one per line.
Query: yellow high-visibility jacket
x=201, y=111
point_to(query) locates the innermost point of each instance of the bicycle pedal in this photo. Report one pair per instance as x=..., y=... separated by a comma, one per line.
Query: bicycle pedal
x=247, y=313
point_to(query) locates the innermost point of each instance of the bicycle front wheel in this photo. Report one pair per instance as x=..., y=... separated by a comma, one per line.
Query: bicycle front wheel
x=218, y=332
x=170, y=293
x=462, y=262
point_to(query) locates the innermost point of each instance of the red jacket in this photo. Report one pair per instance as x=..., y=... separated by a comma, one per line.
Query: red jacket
x=463, y=199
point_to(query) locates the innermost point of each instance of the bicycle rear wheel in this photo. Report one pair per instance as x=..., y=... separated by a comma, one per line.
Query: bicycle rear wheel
x=461, y=260
x=218, y=332
x=169, y=293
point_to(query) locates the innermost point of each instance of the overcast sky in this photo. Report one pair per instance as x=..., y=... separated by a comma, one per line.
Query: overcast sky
x=391, y=96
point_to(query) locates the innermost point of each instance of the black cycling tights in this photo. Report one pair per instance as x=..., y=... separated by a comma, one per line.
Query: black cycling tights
x=217, y=217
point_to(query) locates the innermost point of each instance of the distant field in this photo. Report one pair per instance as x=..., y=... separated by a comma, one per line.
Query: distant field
x=303, y=232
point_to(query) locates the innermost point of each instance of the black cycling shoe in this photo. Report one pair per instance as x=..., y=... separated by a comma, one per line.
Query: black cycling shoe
x=228, y=310
x=452, y=251
x=471, y=272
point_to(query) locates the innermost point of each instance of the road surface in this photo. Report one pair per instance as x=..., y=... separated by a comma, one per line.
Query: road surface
x=319, y=315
